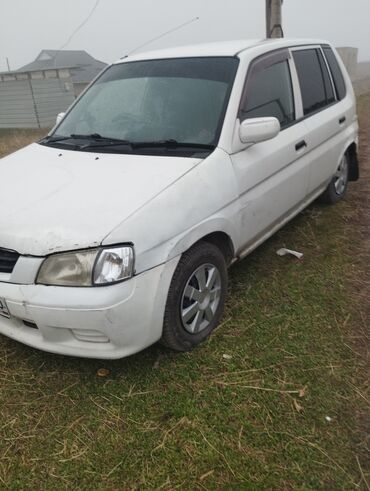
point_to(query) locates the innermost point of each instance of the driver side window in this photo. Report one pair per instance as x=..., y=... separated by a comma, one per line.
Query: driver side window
x=269, y=93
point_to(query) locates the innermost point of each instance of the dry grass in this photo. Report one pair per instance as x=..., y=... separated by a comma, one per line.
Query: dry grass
x=12, y=140
x=298, y=336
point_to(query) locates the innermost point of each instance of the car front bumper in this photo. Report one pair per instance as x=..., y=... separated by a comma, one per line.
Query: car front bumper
x=103, y=322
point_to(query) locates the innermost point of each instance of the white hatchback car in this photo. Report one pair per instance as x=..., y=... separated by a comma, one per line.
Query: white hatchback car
x=116, y=229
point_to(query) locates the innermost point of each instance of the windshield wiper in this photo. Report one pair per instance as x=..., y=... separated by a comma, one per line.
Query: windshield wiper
x=54, y=139
x=137, y=145
x=95, y=139
x=171, y=144
x=102, y=142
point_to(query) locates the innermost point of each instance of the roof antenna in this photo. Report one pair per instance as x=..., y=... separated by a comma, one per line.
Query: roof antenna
x=162, y=35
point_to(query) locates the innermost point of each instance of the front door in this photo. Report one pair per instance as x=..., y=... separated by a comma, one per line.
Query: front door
x=272, y=175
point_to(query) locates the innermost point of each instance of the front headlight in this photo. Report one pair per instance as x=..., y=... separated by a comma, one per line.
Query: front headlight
x=92, y=267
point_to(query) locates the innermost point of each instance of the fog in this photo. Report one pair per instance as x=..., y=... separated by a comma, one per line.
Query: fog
x=118, y=26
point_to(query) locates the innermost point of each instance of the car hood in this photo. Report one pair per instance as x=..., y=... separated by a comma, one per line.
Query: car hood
x=56, y=200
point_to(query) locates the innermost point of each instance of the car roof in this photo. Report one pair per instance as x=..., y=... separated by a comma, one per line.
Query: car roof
x=224, y=48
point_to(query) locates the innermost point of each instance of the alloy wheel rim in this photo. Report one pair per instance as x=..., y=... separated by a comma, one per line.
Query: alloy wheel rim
x=200, y=298
x=341, y=177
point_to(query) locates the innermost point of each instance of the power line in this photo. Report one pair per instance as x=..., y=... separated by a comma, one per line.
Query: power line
x=80, y=26
x=164, y=34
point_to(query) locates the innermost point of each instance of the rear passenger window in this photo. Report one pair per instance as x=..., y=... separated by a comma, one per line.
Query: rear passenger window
x=314, y=79
x=340, y=86
x=329, y=91
x=270, y=94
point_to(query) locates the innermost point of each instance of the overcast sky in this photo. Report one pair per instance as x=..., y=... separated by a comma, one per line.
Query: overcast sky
x=118, y=26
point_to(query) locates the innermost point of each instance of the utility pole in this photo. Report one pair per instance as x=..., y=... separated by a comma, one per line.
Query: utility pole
x=274, y=28
x=8, y=64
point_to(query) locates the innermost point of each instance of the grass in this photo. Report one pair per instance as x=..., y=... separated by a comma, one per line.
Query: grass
x=13, y=139
x=287, y=409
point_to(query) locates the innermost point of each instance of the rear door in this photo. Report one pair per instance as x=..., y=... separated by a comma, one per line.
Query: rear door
x=272, y=175
x=324, y=115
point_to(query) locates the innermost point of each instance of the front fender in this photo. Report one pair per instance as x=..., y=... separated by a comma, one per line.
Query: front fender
x=178, y=245
x=203, y=201
x=214, y=225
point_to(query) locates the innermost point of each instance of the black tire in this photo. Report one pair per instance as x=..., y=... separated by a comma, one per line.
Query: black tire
x=338, y=185
x=194, y=261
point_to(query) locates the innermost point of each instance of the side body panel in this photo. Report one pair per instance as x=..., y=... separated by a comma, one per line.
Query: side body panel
x=247, y=193
x=271, y=180
x=271, y=175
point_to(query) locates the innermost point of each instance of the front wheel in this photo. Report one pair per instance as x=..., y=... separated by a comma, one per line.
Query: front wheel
x=339, y=183
x=196, y=297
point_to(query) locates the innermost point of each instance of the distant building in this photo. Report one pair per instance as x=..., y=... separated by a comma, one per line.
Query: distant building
x=362, y=80
x=82, y=66
x=349, y=56
x=358, y=71
x=363, y=70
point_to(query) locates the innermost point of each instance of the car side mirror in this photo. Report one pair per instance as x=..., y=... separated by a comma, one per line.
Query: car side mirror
x=60, y=117
x=257, y=130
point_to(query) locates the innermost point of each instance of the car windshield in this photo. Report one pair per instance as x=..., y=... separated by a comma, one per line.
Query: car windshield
x=176, y=101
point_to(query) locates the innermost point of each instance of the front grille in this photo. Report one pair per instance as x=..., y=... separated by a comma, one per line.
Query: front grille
x=8, y=260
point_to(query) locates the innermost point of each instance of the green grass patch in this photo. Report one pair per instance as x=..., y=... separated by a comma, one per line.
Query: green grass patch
x=258, y=420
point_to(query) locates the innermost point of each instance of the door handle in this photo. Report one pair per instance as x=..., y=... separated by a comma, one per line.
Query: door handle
x=301, y=145
x=342, y=120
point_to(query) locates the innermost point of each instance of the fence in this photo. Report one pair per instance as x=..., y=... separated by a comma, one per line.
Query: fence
x=33, y=99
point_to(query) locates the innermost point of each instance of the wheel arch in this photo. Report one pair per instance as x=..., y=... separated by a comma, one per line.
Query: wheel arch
x=223, y=242
x=217, y=232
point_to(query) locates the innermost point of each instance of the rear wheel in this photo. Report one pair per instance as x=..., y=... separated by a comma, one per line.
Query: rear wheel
x=196, y=297
x=338, y=185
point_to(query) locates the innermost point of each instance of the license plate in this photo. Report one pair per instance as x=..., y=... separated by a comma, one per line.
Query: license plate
x=4, y=309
